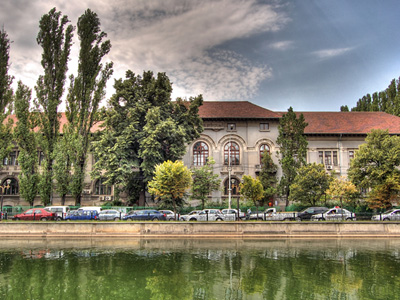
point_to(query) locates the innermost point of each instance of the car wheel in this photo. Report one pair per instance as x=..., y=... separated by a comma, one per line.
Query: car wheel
x=17, y=219
x=298, y=219
x=116, y=219
x=58, y=219
x=43, y=219
x=349, y=219
x=386, y=219
x=130, y=219
x=68, y=220
x=155, y=219
x=193, y=219
x=219, y=220
x=321, y=219
x=259, y=219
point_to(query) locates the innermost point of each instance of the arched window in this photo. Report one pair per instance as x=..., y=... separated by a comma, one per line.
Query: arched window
x=234, y=186
x=263, y=148
x=102, y=189
x=13, y=189
x=231, y=154
x=200, y=154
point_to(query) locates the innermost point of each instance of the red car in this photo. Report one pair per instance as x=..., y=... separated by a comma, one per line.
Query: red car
x=36, y=214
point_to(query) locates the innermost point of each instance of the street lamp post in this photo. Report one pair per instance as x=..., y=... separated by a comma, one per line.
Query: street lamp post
x=4, y=187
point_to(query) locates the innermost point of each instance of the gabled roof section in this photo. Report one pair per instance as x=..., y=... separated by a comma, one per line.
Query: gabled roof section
x=349, y=122
x=234, y=110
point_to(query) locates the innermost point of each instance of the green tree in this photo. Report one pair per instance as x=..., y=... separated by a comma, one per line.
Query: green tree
x=204, y=181
x=384, y=195
x=341, y=188
x=251, y=189
x=6, y=96
x=268, y=176
x=86, y=92
x=376, y=164
x=143, y=128
x=26, y=140
x=170, y=182
x=310, y=184
x=55, y=37
x=293, y=149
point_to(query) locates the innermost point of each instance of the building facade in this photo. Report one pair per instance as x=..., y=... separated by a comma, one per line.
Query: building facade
x=236, y=134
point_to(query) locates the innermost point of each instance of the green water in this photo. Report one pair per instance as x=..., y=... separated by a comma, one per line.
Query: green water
x=200, y=269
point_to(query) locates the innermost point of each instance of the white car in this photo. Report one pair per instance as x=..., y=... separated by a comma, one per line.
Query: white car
x=334, y=214
x=207, y=215
x=390, y=215
x=186, y=217
x=231, y=214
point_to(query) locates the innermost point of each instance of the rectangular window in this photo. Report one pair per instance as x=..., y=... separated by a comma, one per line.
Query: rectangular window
x=231, y=127
x=11, y=160
x=264, y=126
x=334, y=156
x=351, y=155
x=321, y=157
x=328, y=158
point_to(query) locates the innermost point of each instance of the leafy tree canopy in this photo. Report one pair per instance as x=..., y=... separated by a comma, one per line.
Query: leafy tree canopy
x=251, y=189
x=204, y=181
x=144, y=128
x=170, y=182
x=293, y=149
x=310, y=184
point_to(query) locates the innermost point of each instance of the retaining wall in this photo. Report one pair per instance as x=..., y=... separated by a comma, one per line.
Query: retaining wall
x=200, y=229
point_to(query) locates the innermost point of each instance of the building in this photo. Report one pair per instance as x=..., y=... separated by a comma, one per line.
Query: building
x=242, y=131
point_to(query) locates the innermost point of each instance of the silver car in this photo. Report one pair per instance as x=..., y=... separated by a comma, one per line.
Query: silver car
x=390, y=215
x=169, y=215
x=334, y=214
x=110, y=214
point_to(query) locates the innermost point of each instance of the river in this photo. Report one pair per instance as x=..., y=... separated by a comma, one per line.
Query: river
x=199, y=269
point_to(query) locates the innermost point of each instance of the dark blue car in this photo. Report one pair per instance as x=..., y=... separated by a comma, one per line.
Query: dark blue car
x=145, y=215
x=82, y=215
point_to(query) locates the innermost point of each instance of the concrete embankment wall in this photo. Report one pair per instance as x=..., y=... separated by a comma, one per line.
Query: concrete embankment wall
x=262, y=230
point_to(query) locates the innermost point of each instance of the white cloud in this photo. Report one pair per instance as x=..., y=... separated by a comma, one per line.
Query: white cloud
x=282, y=45
x=329, y=53
x=182, y=38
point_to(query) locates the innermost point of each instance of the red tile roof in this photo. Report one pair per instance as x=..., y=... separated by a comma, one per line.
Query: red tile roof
x=349, y=122
x=234, y=110
x=318, y=122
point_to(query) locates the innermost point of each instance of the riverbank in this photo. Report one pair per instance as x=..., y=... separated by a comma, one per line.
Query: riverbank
x=215, y=230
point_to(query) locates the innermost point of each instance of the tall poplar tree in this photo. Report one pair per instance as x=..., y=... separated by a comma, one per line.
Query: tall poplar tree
x=143, y=128
x=293, y=149
x=268, y=176
x=26, y=138
x=55, y=37
x=6, y=94
x=85, y=93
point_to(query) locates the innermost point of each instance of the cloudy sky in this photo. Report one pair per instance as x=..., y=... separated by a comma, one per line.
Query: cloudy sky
x=313, y=55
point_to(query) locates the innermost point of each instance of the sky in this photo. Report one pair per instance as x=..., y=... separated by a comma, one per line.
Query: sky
x=312, y=55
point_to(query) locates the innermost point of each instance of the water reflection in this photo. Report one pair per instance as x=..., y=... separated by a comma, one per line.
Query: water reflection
x=199, y=269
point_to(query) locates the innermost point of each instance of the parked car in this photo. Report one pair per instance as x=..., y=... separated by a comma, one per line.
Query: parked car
x=334, y=214
x=145, y=215
x=82, y=215
x=271, y=214
x=207, y=215
x=110, y=214
x=170, y=215
x=390, y=215
x=232, y=214
x=186, y=217
x=308, y=212
x=36, y=214
x=60, y=211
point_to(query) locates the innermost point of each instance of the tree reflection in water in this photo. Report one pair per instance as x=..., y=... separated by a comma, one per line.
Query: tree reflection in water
x=200, y=269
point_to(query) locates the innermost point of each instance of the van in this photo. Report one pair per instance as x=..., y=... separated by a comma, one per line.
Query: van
x=60, y=211
x=96, y=208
